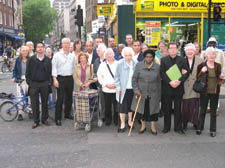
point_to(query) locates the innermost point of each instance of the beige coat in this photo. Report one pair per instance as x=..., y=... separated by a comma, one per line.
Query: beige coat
x=189, y=83
x=77, y=75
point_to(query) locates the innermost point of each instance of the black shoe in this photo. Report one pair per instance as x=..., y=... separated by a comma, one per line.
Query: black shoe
x=70, y=117
x=20, y=117
x=198, y=132
x=58, y=122
x=121, y=129
x=181, y=131
x=165, y=131
x=154, y=133
x=212, y=134
x=142, y=131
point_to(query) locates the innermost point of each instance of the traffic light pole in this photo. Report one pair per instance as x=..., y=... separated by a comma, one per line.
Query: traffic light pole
x=209, y=19
x=79, y=31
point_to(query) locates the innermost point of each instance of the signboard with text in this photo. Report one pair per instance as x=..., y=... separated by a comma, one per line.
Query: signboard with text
x=105, y=9
x=175, y=5
x=152, y=32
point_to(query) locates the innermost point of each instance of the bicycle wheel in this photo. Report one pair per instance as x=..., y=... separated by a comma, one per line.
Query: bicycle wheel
x=4, y=67
x=8, y=111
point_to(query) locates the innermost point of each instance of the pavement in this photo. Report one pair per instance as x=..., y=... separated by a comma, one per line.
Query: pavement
x=64, y=147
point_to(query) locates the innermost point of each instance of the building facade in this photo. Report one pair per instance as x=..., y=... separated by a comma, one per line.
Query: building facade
x=11, y=23
x=59, y=5
x=91, y=14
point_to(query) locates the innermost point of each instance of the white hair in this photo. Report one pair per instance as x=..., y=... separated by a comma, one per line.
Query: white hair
x=210, y=49
x=108, y=50
x=127, y=49
x=65, y=39
x=48, y=48
x=24, y=47
x=102, y=47
x=29, y=42
x=189, y=46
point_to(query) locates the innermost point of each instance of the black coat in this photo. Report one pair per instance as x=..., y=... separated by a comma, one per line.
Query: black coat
x=166, y=63
x=32, y=69
x=94, y=56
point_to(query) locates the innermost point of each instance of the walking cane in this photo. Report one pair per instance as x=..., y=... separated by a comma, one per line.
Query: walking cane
x=139, y=99
x=119, y=111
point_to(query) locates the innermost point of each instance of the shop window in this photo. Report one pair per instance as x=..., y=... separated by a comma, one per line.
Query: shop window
x=152, y=30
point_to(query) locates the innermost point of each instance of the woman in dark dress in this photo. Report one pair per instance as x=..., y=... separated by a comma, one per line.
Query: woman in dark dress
x=146, y=83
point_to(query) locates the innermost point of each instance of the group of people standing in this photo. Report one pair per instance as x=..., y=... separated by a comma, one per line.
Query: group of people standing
x=123, y=75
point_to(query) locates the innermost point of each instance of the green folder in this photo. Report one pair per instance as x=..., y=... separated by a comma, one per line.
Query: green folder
x=174, y=73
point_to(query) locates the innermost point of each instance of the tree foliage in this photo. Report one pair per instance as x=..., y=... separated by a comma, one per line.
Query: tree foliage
x=38, y=19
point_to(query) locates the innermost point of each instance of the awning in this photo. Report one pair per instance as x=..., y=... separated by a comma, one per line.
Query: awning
x=15, y=36
x=18, y=37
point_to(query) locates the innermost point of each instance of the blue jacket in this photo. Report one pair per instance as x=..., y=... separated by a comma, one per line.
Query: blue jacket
x=17, y=71
x=121, y=75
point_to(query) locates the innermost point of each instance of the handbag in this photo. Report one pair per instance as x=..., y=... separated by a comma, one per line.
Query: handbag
x=199, y=85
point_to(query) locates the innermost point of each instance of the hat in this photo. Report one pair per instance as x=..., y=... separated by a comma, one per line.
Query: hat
x=212, y=39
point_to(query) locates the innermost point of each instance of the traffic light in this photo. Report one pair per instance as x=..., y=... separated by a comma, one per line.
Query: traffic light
x=217, y=13
x=79, y=16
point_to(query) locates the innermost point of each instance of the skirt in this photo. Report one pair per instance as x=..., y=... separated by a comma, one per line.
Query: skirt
x=125, y=107
x=190, y=110
x=146, y=116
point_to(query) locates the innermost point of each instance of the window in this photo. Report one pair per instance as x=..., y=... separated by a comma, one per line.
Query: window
x=5, y=19
x=1, y=17
x=10, y=20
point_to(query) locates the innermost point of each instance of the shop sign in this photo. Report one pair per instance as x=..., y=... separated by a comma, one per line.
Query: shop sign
x=105, y=9
x=152, y=32
x=175, y=5
x=9, y=31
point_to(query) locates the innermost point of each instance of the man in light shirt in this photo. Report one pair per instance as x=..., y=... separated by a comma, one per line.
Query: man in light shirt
x=62, y=70
x=138, y=56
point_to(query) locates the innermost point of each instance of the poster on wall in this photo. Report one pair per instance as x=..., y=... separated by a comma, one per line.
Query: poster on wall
x=152, y=32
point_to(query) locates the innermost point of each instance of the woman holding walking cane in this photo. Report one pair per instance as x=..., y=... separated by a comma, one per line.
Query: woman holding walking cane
x=123, y=81
x=146, y=82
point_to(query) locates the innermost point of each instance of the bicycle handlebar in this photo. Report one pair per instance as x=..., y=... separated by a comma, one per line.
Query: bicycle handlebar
x=19, y=81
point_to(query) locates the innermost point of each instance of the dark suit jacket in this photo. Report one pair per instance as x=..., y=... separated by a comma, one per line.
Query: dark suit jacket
x=166, y=63
x=140, y=57
x=94, y=56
